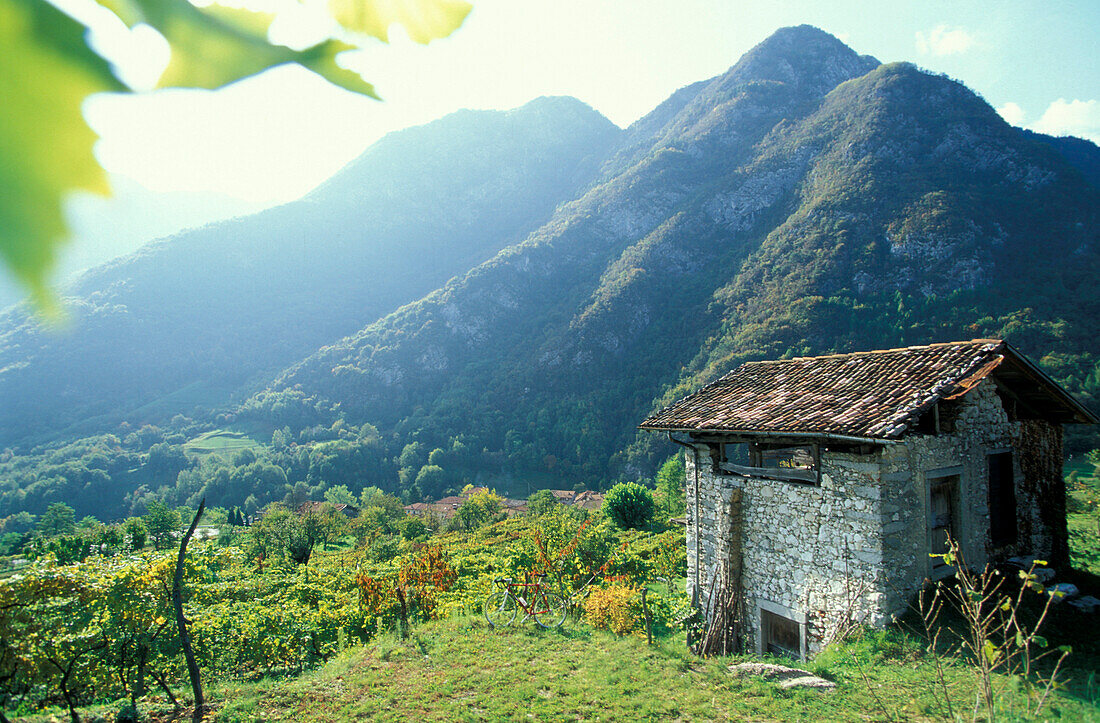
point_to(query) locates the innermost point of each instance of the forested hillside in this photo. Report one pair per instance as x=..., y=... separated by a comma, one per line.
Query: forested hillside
x=502, y=297
x=192, y=322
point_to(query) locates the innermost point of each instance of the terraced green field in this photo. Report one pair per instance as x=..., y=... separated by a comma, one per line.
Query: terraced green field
x=220, y=441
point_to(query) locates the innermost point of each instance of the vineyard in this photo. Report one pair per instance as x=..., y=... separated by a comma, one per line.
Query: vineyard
x=320, y=617
x=103, y=630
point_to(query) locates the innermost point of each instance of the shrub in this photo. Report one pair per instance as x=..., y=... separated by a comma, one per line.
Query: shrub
x=617, y=608
x=629, y=505
x=542, y=502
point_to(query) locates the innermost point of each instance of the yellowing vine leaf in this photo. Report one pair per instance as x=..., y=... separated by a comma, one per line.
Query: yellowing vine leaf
x=423, y=20
x=46, y=71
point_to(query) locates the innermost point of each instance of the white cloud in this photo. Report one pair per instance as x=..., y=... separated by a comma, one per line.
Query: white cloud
x=1012, y=113
x=1079, y=118
x=942, y=40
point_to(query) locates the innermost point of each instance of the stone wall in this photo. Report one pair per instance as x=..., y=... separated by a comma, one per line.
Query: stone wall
x=856, y=547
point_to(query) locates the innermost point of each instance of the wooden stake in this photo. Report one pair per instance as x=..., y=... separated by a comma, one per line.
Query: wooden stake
x=181, y=621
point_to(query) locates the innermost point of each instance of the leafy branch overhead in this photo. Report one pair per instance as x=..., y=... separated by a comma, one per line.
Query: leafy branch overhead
x=47, y=70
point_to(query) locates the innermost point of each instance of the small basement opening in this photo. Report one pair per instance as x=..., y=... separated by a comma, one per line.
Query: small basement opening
x=780, y=635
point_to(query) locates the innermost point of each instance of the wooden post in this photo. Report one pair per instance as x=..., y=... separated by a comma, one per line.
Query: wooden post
x=404, y=612
x=181, y=621
x=734, y=569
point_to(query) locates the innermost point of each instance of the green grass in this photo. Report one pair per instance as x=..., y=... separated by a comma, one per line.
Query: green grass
x=220, y=441
x=460, y=669
x=1084, y=542
x=1083, y=520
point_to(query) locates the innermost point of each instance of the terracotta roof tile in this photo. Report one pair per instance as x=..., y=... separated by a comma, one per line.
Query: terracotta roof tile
x=874, y=394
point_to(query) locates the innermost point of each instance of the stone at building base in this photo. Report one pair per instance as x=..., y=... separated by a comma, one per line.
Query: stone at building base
x=786, y=677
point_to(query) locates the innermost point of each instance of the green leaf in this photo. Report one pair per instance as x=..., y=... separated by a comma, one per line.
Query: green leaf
x=1039, y=640
x=321, y=59
x=46, y=71
x=991, y=651
x=216, y=45
x=423, y=20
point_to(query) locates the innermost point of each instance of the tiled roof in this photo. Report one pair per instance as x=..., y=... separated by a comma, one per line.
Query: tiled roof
x=311, y=506
x=588, y=500
x=874, y=394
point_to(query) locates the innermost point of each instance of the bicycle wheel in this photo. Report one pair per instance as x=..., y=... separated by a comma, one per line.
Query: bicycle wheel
x=499, y=608
x=551, y=610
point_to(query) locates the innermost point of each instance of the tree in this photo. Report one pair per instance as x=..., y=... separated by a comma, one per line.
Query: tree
x=670, y=487
x=542, y=502
x=137, y=532
x=292, y=536
x=20, y=523
x=370, y=496
x=340, y=494
x=47, y=70
x=432, y=479
x=161, y=522
x=413, y=527
x=412, y=455
x=478, y=509
x=629, y=505
x=181, y=621
x=60, y=519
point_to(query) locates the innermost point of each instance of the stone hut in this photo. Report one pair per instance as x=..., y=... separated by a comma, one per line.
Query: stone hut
x=819, y=489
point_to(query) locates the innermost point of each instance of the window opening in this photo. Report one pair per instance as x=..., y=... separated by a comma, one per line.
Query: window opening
x=1002, y=500
x=780, y=635
x=786, y=462
x=800, y=457
x=942, y=516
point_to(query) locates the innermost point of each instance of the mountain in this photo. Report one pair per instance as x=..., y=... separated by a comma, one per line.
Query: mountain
x=808, y=200
x=196, y=320
x=502, y=297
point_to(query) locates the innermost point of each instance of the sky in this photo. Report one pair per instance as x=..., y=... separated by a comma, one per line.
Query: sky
x=185, y=157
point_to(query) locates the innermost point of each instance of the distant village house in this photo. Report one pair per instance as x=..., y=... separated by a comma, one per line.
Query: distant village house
x=447, y=507
x=818, y=489
x=316, y=508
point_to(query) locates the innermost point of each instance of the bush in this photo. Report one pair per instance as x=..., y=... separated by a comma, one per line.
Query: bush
x=629, y=505
x=616, y=608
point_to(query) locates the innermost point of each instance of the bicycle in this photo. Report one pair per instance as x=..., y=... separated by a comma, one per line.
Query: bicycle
x=547, y=607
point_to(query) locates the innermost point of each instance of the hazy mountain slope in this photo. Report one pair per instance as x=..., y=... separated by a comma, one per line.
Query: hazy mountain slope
x=194, y=319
